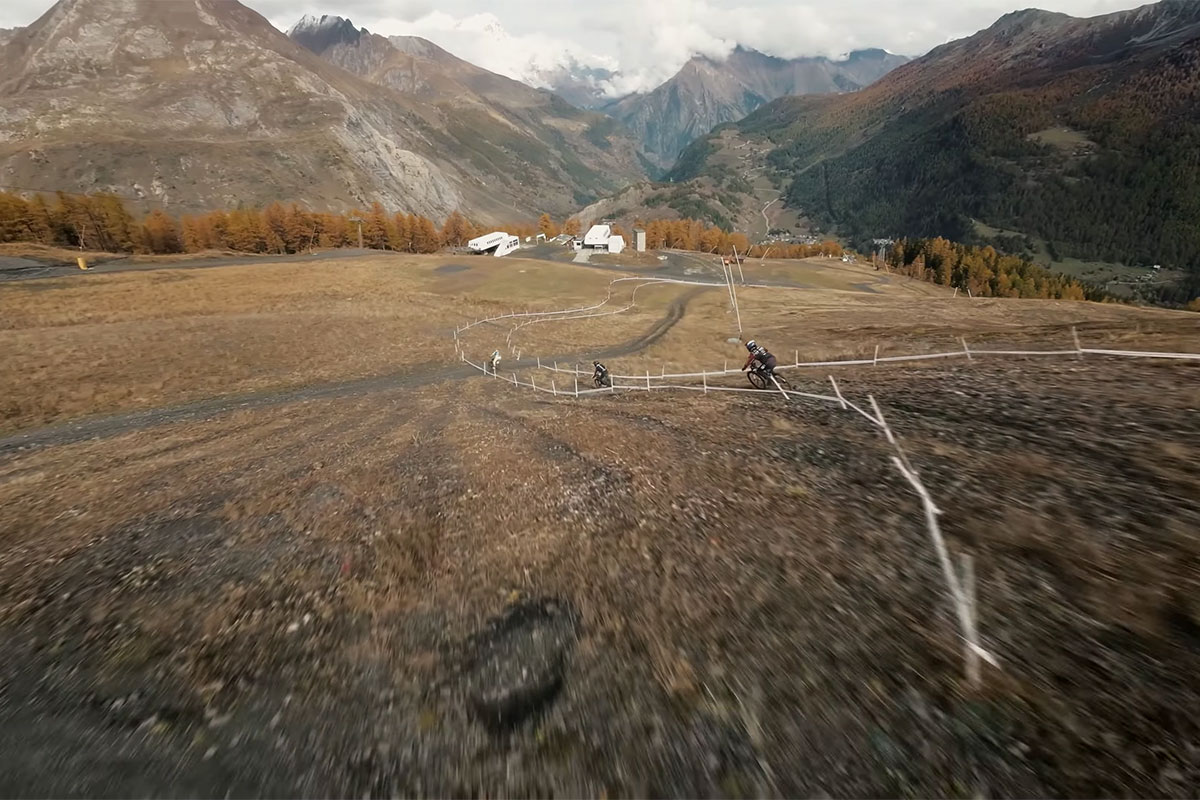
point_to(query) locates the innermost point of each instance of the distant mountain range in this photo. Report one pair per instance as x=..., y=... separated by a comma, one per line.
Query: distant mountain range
x=706, y=93
x=203, y=104
x=1043, y=132
x=1046, y=133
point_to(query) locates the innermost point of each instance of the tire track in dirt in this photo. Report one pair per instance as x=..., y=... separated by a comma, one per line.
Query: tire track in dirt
x=419, y=376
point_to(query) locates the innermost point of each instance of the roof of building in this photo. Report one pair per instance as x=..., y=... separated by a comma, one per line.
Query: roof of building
x=597, y=234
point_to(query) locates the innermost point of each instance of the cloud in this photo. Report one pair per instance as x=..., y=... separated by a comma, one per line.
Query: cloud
x=482, y=39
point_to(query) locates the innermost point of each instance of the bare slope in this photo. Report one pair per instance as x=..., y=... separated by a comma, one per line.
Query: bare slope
x=550, y=154
x=395, y=585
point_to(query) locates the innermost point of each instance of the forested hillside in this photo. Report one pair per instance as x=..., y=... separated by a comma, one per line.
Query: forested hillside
x=1079, y=134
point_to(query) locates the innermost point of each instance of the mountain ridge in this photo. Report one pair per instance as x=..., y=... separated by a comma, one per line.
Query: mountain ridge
x=709, y=92
x=505, y=126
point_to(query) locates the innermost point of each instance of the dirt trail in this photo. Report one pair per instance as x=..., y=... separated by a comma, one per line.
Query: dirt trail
x=33, y=268
x=421, y=375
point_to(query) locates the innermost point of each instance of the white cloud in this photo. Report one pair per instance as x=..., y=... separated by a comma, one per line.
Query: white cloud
x=648, y=39
x=483, y=40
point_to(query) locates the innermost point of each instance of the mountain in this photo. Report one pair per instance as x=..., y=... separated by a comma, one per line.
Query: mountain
x=707, y=92
x=579, y=84
x=6, y=34
x=1075, y=136
x=525, y=136
x=204, y=104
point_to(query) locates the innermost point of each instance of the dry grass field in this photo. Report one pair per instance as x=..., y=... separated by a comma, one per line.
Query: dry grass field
x=277, y=540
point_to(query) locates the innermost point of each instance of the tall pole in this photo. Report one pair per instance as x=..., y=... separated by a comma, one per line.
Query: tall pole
x=739, y=263
x=733, y=292
x=727, y=272
x=360, y=236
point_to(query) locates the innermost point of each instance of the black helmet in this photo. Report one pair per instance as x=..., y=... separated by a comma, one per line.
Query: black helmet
x=595, y=363
x=750, y=345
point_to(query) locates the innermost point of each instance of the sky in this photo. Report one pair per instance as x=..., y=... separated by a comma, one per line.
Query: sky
x=647, y=41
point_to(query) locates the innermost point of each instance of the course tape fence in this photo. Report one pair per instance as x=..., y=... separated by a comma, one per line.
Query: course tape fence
x=960, y=579
x=536, y=317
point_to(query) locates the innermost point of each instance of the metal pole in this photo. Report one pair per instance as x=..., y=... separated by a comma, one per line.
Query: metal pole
x=736, y=310
x=728, y=280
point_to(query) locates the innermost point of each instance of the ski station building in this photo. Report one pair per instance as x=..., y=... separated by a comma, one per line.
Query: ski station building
x=600, y=237
x=498, y=243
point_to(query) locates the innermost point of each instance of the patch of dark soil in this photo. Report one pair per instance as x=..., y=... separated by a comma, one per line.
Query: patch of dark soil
x=516, y=666
x=450, y=269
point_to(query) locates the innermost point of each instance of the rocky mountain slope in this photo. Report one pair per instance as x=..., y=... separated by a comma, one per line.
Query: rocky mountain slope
x=706, y=93
x=1078, y=135
x=203, y=103
x=511, y=131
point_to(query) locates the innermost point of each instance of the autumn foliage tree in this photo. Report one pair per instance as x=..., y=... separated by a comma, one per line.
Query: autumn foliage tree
x=457, y=230
x=547, y=226
x=102, y=222
x=160, y=234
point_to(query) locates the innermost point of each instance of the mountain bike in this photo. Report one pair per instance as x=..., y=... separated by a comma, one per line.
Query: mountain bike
x=761, y=379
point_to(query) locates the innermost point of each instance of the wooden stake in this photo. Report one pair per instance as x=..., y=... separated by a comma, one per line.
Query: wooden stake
x=838, y=392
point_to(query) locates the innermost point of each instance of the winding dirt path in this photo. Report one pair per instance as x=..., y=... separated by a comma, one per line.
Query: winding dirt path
x=420, y=375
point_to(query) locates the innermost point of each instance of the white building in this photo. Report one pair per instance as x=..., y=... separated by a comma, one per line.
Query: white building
x=639, y=240
x=498, y=243
x=616, y=244
x=597, y=236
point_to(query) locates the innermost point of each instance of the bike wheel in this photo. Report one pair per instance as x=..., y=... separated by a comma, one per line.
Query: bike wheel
x=783, y=382
x=599, y=384
x=757, y=379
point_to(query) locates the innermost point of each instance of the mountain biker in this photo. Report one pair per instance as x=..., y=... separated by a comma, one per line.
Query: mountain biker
x=759, y=353
x=495, y=362
x=601, y=374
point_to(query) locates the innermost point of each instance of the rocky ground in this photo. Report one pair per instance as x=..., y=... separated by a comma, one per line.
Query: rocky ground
x=462, y=588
